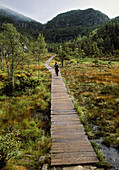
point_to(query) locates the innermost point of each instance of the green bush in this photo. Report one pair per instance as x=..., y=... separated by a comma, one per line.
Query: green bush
x=21, y=85
x=9, y=145
x=33, y=133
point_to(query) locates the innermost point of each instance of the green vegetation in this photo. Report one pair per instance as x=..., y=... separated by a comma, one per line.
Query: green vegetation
x=24, y=25
x=101, y=43
x=95, y=92
x=24, y=102
x=69, y=25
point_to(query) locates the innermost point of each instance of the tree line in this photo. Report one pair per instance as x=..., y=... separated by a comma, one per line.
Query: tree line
x=102, y=42
x=15, y=50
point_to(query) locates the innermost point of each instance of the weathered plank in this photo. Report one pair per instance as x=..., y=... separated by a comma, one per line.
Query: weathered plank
x=73, y=155
x=73, y=148
x=73, y=161
x=70, y=145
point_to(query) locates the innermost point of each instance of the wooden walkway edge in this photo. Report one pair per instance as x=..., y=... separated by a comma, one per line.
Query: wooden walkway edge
x=70, y=145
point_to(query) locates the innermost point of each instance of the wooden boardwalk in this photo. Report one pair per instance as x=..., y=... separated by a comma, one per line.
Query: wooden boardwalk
x=70, y=145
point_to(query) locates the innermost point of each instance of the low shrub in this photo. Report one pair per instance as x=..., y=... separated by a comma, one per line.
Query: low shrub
x=9, y=145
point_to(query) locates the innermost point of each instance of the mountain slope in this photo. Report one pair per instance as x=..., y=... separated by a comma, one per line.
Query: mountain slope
x=6, y=12
x=70, y=24
x=24, y=25
x=88, y=17
x=116, y=19
x=63, y=27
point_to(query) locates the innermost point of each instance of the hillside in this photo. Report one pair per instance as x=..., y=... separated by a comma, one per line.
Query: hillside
x=69, y=25
x=116, y=18
x=88, y=17
x=24, y=25
x=5, y=12
x=62, y=28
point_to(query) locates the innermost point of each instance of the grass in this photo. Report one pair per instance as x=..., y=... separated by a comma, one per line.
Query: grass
x=94, y=88
x=25, y=119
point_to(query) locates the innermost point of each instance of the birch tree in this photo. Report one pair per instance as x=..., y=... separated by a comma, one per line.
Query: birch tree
x=39, y=49
x=12, y=49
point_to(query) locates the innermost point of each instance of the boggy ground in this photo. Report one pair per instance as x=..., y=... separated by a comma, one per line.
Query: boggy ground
x=94, y=88
x=25, y=141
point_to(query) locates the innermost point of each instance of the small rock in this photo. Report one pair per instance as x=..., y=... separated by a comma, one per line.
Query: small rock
x=93, y=168
x=118, y=138
x=73, y=168
x=53, y=168
x=45, y=167
x=47, y=154
x=42, y=158
x=58, y=168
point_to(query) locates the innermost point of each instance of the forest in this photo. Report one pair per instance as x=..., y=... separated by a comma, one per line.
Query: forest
x=101, y=42
x=89, y=64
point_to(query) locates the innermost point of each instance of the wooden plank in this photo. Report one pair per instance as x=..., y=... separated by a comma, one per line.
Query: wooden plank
x=65, y=119
x=62, y=100
x=65, y=123
x=73, y=155
x=73, y=161
x=65, y=116
x=67, y=133
x=60, y=120
x=60, y=112
x=82, y=141
x=61, y=108
x=71, y=116
x=64, y=111
x=71, y=137
x=62, y=104
x=70, y=131
x=83, y=144
x=81, y=130
x=66, y=127
x=74, y=148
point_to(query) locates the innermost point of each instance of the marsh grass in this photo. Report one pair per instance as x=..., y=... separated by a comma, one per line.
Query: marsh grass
x=94, y=88
x=25, y=111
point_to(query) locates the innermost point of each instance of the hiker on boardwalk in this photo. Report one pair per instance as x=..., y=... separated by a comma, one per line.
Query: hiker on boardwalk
x=56, y=68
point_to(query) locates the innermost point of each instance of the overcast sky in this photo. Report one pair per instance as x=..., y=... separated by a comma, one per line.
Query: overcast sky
x=45, y=10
